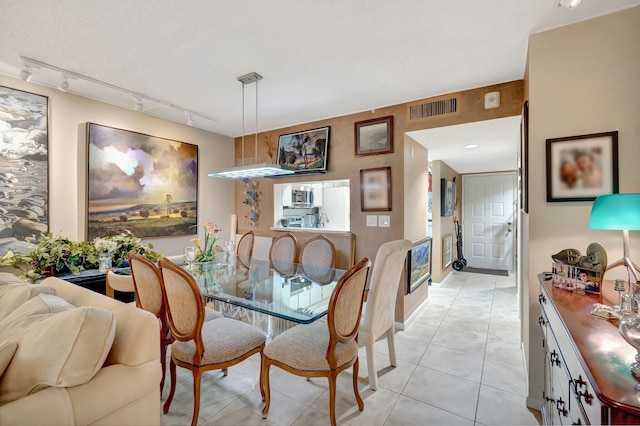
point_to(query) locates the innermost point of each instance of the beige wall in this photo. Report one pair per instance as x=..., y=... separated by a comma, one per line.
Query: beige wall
x=443, y=225
x=68, y=115
x=583, y=78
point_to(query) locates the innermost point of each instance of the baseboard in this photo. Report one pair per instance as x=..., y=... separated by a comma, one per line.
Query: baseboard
x=407, y=323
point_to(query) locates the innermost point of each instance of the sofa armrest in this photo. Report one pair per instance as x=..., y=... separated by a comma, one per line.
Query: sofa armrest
x=50, y=406
x=137, y=339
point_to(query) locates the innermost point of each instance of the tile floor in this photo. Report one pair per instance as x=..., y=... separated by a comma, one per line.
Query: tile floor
x=459, y=363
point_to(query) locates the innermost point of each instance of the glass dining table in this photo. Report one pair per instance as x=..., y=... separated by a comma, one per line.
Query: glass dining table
x=272, y=296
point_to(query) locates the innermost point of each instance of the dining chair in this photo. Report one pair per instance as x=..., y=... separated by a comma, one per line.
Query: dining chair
x=318, y=258
x=379, y=311
x=122, y=283
x=147, y=282
x=323, y=348
x=201, y=346
x=283, y=253
x=245, y=248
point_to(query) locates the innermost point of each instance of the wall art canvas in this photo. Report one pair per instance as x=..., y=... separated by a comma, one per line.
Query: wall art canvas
x=375, y=189
x=419, y=264
x=24, y=169
x=447, y=197
x=304, y=152
x=580, y=168
x=374, y=136
x=144, y=184
x=447, y=250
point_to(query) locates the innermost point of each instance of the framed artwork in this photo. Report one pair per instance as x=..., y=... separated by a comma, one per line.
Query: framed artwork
x=447, y=250
x=580, y=168
x=24, y=168
x=418, y=264
x=140, y=183
x=447, y=197
x=524, y=159
x=375, y=189
x=304, y=152
x=374, y=136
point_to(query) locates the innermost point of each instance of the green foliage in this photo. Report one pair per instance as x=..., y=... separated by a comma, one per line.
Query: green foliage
x=65, y=255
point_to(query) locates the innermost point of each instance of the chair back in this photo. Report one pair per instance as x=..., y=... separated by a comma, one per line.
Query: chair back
x=385, y=278
x=147, y=282
x=245, y=248
x=283, y=253
x=318, y=251
x=185, y=309
x=118, y=282
x=345, y=308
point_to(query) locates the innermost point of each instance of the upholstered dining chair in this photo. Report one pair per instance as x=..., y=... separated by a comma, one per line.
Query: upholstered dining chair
x=318, y=258
x=245, y=248
x=379, y=311
x=323, y=348
x=122, y=283
x=147, y=282
x=283, y=253
x=201, y=346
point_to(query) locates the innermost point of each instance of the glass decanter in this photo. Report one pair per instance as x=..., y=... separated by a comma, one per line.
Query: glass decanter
x=630, y=331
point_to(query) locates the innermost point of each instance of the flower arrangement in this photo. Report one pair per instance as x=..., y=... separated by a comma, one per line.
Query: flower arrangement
x=252, y=200
x=206, y=252
x=58, y=255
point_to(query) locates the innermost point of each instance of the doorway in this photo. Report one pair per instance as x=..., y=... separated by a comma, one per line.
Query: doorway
x=488, y=220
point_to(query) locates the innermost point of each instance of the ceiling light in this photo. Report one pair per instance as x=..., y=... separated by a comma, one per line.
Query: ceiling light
x=189, y=118
x=139, y=106
x=569, y=4
x=471, y=146
x=252, y=170
x=26, y=73
x=64, y=83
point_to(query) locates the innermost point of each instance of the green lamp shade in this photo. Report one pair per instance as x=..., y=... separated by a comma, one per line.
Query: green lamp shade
x=616, y=211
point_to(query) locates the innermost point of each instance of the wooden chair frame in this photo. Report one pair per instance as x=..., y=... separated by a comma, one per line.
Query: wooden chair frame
x=334, y=338
x=253, y=240
x=109, y=289
x=165, y=337
x=196, y=335
x=280, y=238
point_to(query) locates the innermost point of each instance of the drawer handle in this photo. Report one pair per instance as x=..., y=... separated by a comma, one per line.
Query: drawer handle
x=576, y=423
x=560, y=408
x=542, y=299
x=541, y=321
x=554, y=357
x=581, y=390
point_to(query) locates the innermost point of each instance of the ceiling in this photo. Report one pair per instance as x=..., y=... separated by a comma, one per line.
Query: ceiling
x=496, y=140
x=319, y=59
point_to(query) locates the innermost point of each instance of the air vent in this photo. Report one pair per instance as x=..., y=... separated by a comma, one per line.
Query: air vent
x=433, y=108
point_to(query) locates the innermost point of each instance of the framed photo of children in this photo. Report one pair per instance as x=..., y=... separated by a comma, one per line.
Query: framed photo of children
x=580, y=168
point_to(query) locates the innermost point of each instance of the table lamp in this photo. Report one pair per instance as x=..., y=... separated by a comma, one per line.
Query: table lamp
x=618, y=212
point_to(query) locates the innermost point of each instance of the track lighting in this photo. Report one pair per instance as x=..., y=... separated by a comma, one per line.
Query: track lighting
x=26, y=73
x=569, y=4
x=189, y=119
x=139, y=106
x=64, y=83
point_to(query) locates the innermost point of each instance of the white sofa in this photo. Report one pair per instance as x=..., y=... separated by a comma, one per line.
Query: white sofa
x=123, y=387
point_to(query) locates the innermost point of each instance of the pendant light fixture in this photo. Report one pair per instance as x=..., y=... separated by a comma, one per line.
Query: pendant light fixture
x=256, y=169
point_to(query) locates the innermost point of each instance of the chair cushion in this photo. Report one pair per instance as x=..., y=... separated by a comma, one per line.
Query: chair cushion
x=7, y=349
x=211, y=314
x=58, y=345
x=304, y=348
x=12, y=295
x=224, y=340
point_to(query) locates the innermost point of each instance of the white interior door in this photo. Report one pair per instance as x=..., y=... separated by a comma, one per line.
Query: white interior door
x=488, y=220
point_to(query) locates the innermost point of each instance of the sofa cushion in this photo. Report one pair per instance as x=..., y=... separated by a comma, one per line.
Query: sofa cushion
x=13, y=295
x=59, y=349
x=7, y=349
x=9, y=278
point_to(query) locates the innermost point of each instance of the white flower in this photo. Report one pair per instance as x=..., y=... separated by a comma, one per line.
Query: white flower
x=103, y=245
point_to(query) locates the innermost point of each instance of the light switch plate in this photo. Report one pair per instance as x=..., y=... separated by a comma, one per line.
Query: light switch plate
x=384, y=220
x=372, y=220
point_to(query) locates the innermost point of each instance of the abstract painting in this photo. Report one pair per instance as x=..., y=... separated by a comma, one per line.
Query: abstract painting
x=24, y=169
x=140, y=183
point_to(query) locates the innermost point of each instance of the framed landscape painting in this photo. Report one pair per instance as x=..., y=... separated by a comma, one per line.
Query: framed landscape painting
x=374, y=136
x=140, y=183
x=24, y=169
x=418, y=264
x=304, y=152
x=447, y=250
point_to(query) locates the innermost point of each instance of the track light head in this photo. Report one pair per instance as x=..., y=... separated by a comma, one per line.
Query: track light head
x=569, y=4
x=26, y=73
x=64, y=84
x=189, y=118
x=139, y=106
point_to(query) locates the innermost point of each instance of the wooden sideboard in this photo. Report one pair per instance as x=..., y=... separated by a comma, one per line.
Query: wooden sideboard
x=587, y=374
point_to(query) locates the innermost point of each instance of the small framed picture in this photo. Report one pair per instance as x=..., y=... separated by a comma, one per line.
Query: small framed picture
x=375, y=189
x=374, y=136
x=447, y=250
x=580, y=168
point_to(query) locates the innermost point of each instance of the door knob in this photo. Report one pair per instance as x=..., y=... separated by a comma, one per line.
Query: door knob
x=509, y=223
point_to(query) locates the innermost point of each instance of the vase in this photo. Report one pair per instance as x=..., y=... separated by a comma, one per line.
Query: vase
x=630, y=330
x=104, y=261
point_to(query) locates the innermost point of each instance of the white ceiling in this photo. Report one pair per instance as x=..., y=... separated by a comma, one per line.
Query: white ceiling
x=497, y=142
x=319, y=59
